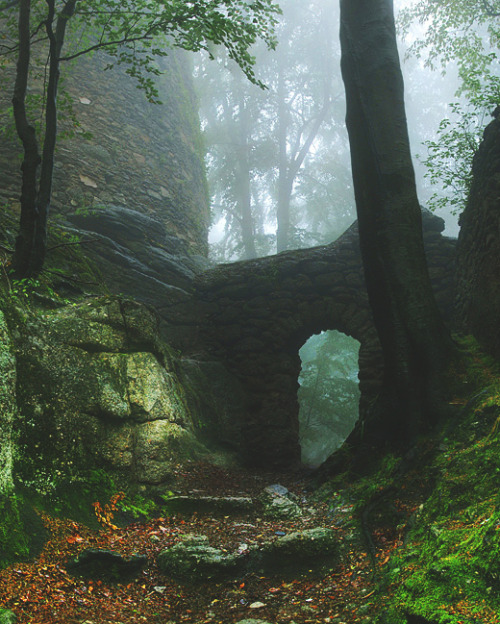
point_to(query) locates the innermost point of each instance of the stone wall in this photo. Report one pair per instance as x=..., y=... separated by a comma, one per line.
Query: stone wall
x=478, y=252
x=256, y=314
x=148, y=158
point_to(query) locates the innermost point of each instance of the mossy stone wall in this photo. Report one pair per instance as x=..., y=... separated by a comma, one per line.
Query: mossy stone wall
x=478, y=251
x=143, y=156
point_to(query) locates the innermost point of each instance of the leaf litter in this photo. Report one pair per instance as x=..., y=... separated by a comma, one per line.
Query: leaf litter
x=42, y=591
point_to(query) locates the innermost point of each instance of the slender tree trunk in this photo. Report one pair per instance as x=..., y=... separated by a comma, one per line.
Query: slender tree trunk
x=289, y=164
x=243, y=184
x=56, y=41
x=284, y=187
x=31, y=242
x=25, y=239
x=416, y=345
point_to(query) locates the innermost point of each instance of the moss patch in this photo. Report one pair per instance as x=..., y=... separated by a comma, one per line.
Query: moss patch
x=431, y=520
x=21, y=531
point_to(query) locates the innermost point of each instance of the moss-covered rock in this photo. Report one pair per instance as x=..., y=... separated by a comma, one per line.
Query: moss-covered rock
x=297, y=552
x=194, y=560
x=278, y=503
x=8, y=407
x=22, y=533
x=7, y=617
x=98, y=390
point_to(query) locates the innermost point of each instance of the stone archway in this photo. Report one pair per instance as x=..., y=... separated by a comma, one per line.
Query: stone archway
x=256, y=314
x=328, y=394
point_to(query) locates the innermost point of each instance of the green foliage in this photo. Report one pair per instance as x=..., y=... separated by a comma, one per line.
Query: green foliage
x=139, y=507
x=449, y=157
x=448, y=570
x=65, y=493
x=465, y=34
x=14, y=542
x=134, y=33
x=25, y=291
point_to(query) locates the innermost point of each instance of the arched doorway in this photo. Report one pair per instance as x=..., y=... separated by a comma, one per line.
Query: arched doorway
x=328, y=394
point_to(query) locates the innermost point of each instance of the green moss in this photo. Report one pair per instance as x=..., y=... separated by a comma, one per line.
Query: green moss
x=449, y=573
x=21, y=530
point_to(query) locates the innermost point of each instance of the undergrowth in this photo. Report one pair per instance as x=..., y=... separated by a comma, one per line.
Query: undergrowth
x=439, y=507
x=448, y=568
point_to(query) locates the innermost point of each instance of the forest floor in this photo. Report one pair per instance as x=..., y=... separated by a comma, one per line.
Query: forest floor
x=42, y=591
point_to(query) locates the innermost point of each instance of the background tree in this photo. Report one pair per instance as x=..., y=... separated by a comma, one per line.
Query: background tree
x=131, y=32
x=464, y=36
x=416, y=345
x=286, y=147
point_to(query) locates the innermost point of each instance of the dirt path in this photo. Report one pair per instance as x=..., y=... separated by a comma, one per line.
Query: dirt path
x=42, y=591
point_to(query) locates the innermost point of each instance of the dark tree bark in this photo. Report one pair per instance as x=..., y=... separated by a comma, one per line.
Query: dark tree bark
x=416, y=345
x=31, y=160
x=56, y=41
x=31, y=243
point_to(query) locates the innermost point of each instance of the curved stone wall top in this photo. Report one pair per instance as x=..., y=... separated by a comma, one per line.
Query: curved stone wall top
x=256, y=315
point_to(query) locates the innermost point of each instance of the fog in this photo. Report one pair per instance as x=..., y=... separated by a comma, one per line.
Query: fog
x=283, y=153
x=278, y=162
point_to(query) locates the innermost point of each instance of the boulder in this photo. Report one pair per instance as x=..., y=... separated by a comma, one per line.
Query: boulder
x=106, y=565
x=213, y=505
x=194, y=560
x=297, y=552
x=99, y=390
x=278, y=503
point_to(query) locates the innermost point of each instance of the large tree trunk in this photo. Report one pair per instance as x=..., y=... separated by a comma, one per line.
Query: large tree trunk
x=416, y=345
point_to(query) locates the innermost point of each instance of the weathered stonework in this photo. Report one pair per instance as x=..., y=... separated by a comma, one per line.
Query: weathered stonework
x=256, y=314
x=478, y=251
x=146, y=157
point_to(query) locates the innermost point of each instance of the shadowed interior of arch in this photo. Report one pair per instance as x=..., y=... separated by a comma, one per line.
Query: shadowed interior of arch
x=328, y=394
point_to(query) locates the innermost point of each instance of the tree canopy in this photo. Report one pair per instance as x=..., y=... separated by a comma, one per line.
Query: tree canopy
x=463, y=35
x=277, y=160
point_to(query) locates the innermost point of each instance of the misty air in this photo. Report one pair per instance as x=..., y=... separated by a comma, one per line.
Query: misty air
x=249, y=311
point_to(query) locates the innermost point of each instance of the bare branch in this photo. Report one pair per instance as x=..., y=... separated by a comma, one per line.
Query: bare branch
x=489, y=10
x=146, y=37
x=72, y=244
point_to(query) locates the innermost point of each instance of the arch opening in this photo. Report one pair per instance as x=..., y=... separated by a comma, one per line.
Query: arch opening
x=328, y=394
